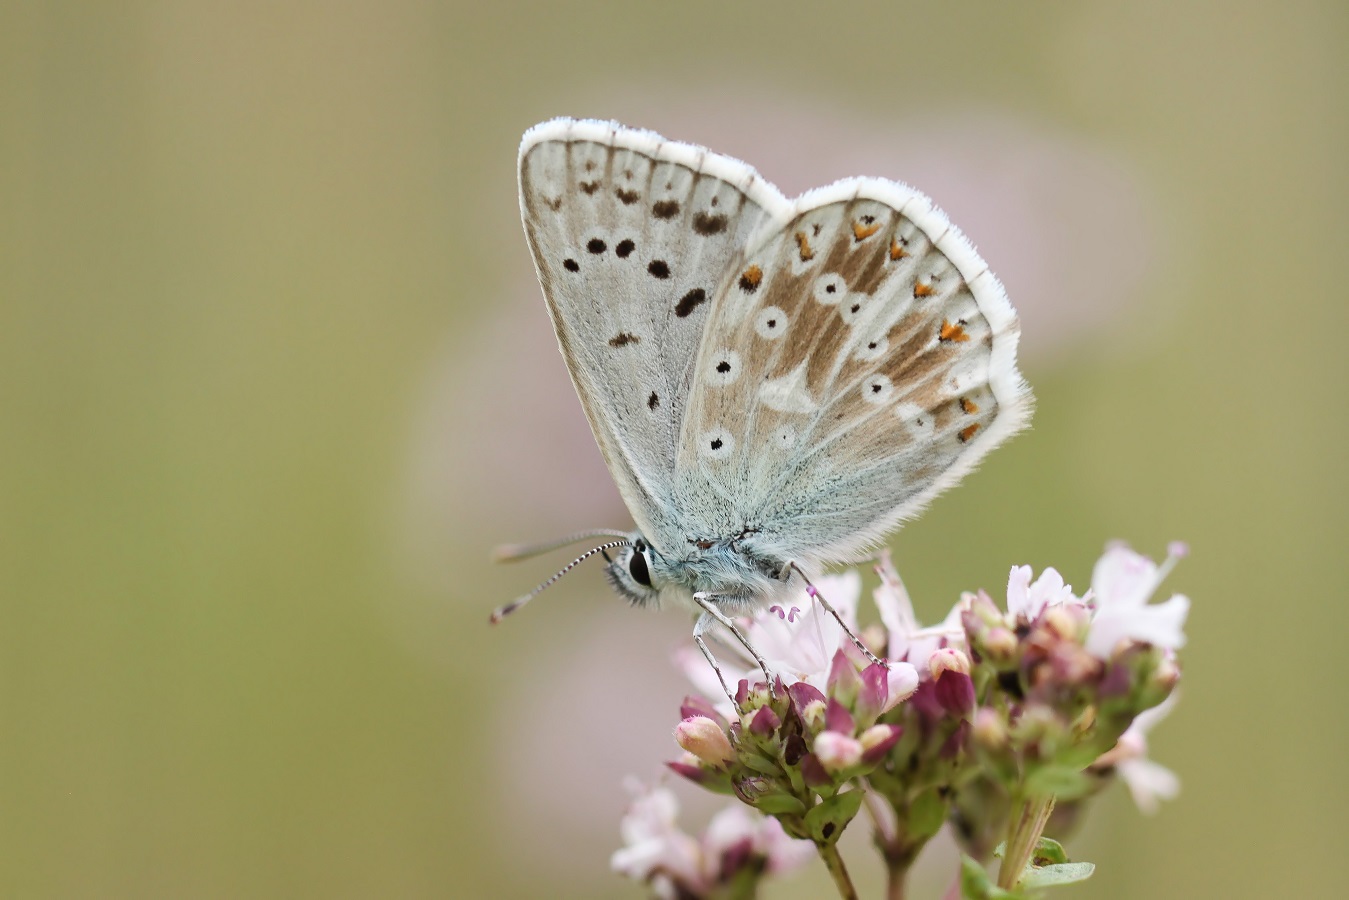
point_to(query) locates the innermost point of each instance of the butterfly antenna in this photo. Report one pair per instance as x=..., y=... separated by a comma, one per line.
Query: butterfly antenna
x=504, y=611
x=514, y=552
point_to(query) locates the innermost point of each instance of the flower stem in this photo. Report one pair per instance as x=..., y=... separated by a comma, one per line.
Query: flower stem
x=839, y=872
x=897, y=861
x=896, y=878
x=1027, y=827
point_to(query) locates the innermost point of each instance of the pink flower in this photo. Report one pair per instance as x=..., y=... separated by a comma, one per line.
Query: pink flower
x=1122, y=584
x=799, y=641
x=1028, y=600
x=1148, y=782
x=654, y=849
x=657, y=852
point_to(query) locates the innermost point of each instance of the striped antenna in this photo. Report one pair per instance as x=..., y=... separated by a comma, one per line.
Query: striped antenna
x=511, y=607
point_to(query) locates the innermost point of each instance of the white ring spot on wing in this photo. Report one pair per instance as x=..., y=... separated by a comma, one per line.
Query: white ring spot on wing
x=716, y=444
x=725, y=370
x=877, y=389
x=770, y=323
x=918, y=420
x=872, y=349
x=830, y=288
x=853, y=307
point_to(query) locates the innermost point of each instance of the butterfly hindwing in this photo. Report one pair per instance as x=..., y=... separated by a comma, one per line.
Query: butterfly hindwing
x=631, y=236
x=860, y=360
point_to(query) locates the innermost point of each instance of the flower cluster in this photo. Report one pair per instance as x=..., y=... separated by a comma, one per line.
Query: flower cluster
x=986, y=721
x=737, y=848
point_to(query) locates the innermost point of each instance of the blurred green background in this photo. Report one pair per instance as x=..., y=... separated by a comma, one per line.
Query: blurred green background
x=275, y=376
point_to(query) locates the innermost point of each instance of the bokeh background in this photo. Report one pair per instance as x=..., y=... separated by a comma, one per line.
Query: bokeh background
x=275, y=376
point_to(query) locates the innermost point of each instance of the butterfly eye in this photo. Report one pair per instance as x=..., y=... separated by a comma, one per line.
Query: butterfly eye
x=637, y=566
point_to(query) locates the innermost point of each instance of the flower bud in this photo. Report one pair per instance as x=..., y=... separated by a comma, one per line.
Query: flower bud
x=952, y=682
x=877, y=740
x=704, y=738
x=901, y=681
x=838, y=719
x=837, y=752
x=809, y=703
x=763, y=722
x=1067, y=622
x=844, y=682
x=1039, y=726
x=1072, y=664
x=948, y=659
x=1166, y=675
x=989, y=728
x=874, y=695
x=999, y=643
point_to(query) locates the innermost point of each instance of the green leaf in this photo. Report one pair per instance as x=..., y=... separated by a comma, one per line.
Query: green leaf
x=976, y=885
x=1049, y=852
x=779, y=805
x=927, y=814
x=828, y=818
x=1062, y=873
x=1063, y=782
x=761, y=764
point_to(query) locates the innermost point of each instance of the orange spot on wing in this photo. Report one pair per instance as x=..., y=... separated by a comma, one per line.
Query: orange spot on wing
x=968, y=432
x=803, y=245
x=951, y=332
x=969, y=406
x=750, y=278
x=923, y=290
x=897, y=250
x=861, y=232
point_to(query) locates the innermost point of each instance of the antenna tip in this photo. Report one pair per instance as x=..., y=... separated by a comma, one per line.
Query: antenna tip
x=502, y=612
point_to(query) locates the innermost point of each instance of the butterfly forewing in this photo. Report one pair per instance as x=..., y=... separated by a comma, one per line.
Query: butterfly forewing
x=632, y=236
x=860, y=360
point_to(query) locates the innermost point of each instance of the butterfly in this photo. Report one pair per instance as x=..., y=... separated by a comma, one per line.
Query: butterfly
x=774, y=384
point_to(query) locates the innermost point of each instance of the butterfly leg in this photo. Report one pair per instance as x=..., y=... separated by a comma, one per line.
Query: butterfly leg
x=815, y=594
x=699, y=628
x=710, y=609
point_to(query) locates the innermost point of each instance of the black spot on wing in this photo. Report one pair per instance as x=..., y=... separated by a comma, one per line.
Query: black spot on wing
x=665, y=209
x=627, y=197
x=596, y=246
x=707, y=223
x=623, y=338
x=653, y=401
x=590, y=187
x=624, y=248
x=571, y=265
x=689, y=302
x=659, y=268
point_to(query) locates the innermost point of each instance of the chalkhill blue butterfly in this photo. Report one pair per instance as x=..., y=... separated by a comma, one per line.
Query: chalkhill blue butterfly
x=774, y=384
